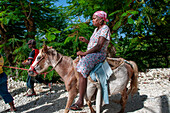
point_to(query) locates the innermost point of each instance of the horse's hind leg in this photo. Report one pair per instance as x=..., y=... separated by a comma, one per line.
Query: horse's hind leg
x=90, y=92
x=123, y=100
x=71, y=95
x=90, y=105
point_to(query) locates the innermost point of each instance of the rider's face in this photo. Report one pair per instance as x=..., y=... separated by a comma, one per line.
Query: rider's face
x=30, y=46
x=95, y=20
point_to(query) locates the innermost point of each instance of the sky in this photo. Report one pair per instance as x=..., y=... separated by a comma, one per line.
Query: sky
x=61, y=2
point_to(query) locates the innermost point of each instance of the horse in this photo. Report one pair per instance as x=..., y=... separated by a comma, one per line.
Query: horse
x=65, y=67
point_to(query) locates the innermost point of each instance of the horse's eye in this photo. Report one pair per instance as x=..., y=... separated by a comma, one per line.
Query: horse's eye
x=39, y=57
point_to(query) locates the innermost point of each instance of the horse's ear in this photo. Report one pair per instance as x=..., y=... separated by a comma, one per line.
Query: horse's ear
x=43, y=43
x=45, y=49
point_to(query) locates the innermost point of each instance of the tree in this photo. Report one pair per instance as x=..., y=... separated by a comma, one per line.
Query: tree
x=134, y=26
x=140, y=28
x=22, y=20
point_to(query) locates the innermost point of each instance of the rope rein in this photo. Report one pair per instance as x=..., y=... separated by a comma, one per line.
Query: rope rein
x=45, y=73
x=14, y=67
x=33, y=67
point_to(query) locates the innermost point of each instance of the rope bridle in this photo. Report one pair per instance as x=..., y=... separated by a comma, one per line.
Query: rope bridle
x=44, y=57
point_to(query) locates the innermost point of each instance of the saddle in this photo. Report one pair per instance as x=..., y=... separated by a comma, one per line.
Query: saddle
x=101, y=74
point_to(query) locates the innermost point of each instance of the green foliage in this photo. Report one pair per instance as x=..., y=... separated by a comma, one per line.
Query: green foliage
x=139, y=22
x=140, y=30
x=118, y=24
x=14, y=19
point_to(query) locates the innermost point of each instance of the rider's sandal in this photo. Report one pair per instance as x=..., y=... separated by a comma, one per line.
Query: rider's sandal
x=32, y=94
x=75, y=107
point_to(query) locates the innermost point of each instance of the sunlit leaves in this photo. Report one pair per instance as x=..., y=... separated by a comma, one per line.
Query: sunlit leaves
x=138, y=21
x=132, y=12
x=68, y=27
x=2, y=13
x=117, y=11
x=12, y=41
x=50, y=36
x=139, y=28
x=117, y=25
x=130, y=21
x=124, y=14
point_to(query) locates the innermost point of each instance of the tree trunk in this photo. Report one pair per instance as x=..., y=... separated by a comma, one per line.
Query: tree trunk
x=29, y=21
x=7, y=49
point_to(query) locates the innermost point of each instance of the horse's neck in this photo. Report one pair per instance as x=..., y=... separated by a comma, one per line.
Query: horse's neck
x=62, y=64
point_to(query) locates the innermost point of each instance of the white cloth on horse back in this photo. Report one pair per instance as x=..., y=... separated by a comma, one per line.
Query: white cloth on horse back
x=103, y=72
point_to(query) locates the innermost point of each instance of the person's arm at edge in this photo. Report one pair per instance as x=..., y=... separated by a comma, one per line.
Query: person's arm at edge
x=30, y=58
x=83, y=39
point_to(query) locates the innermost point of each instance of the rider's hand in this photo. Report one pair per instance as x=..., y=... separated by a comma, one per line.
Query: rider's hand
x=81, y=38
x=81, y=53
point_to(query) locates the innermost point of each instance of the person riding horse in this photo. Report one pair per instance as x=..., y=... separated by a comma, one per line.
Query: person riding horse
x=96, y=53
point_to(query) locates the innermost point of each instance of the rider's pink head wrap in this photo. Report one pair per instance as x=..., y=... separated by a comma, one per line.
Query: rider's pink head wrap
x=102, y=15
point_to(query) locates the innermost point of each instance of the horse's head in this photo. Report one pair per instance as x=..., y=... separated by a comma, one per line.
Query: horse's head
x=41, y=62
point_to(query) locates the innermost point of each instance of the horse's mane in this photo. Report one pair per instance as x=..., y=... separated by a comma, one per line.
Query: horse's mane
x=53, y=52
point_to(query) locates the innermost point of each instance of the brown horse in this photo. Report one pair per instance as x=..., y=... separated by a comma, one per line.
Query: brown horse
x=65, y=67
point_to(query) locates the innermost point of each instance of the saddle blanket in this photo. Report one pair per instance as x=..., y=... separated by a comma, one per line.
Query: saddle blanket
x=103, y=72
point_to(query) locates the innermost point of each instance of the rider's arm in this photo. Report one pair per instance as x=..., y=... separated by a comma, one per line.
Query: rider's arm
x=95, y=49
x=98, y=46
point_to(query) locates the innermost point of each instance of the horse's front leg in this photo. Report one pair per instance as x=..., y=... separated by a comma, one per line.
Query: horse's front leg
x=123, y=100
x=71, y=95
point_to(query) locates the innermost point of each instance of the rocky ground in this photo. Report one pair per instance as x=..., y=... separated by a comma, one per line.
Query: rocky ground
x=153, y=96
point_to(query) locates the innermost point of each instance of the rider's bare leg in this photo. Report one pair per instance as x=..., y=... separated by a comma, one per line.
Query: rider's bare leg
x=82, y=90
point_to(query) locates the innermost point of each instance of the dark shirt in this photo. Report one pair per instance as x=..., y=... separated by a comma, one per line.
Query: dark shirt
x=33, y=54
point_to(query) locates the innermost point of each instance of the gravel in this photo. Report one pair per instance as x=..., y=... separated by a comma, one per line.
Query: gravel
x=153, y=96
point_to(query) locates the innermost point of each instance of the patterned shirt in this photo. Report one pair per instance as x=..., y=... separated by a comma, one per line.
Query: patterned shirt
x=103, y=32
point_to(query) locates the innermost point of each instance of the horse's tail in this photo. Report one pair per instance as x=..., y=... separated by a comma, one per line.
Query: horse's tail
x=134, y=79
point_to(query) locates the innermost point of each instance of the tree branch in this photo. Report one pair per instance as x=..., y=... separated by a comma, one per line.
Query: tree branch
x=30, y=10
x=25, y=13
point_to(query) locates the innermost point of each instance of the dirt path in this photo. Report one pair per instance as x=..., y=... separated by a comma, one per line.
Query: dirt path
x=153, y=96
